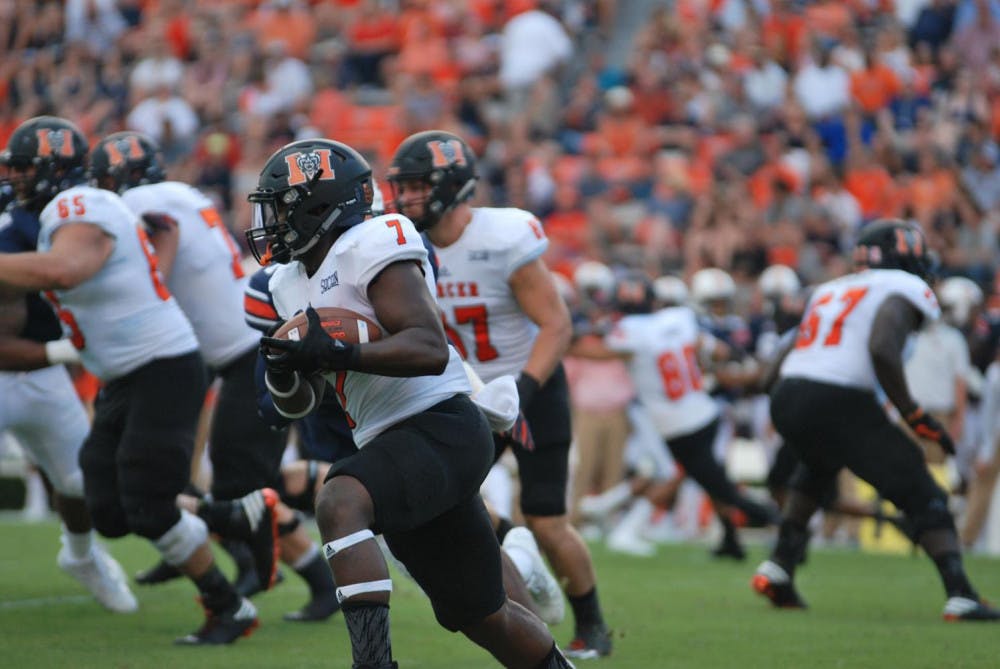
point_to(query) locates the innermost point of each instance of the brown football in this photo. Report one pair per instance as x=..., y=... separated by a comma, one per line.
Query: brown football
x=344, y=324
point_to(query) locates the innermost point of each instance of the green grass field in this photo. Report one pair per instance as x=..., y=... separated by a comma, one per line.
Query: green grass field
x=679, y=609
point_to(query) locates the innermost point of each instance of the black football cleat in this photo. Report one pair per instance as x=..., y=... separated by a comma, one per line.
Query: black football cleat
x=224, y=627
x=731, y=549
x=161, y=572
x=317, y=609
x=261, y=530
x=773, y=582
x=589, y=643
x=965, y=609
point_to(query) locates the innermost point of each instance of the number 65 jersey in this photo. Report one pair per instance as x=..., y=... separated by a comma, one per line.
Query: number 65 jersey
x=832, y=341
x=372, y=402
x=122, y=317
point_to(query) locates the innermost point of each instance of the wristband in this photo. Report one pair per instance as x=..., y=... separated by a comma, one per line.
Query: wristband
x=61, y=352
x=281, y=393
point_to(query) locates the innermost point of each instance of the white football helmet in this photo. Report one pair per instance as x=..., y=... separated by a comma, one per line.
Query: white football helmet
x=670, y=291
x=593, y=278
x=565, y=287
x=779, y=281
x=712, y=284
x=959, y=298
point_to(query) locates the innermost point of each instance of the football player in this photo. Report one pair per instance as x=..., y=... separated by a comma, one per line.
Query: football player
x=98, y=268
x=202, y=266
x=663, y=349
x=40, y=407
x=824, y=405
x=423, y=446
x=499, y=297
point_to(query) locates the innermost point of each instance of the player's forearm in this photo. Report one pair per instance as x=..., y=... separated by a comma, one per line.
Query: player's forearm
x=35, y=271
x=550, y=346
x=22, y=355
x=410, y=352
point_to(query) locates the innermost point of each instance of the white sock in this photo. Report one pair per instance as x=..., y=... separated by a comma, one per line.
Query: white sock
x=522, y=560
x=79, y=545
x=615, y=496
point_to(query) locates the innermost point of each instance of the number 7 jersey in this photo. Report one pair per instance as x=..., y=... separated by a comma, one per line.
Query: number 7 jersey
x=832, y=341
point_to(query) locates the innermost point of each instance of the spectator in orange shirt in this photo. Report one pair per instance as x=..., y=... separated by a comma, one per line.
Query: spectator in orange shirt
x=874, y=86
x=284, y=21
x=870, y=184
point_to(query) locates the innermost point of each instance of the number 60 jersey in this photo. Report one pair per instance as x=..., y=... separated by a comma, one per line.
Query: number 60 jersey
x=832, y=341
x=122, y=317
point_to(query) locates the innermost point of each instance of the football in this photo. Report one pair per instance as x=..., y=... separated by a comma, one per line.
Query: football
x=344, y=324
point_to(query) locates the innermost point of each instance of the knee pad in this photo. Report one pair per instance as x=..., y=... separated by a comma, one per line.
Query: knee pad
x=70, y=485
x=181, y=540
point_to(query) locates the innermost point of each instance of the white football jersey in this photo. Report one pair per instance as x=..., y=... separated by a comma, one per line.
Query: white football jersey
x=124, y=316
x=832, y=341
x=475, y=295
x=664, y=367
x=372, y=402
x=207, y=277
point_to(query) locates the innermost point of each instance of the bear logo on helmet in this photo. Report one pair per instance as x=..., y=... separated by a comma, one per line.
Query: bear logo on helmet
x=304, y=166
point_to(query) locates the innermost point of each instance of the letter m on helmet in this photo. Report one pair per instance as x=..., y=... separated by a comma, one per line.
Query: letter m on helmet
x=445, y=153
x=304, y=166
x=55, y=142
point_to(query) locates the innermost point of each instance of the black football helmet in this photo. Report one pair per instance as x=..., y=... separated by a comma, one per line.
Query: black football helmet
x=634, y=293
x=45, y=155
x=125, y=160
x=440, y=159
x=893, y=244
x=306, y=189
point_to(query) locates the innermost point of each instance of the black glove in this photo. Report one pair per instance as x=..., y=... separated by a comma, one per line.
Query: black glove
x=527, y=386
x=316, y=352
x=927, y=427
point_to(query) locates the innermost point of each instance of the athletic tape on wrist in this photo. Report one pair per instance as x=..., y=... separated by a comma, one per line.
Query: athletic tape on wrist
x=282, y=393
x=331, y=548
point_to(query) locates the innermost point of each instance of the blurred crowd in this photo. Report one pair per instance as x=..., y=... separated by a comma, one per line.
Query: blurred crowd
x=737, y=133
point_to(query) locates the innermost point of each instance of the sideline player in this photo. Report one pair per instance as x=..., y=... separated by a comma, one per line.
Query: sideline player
x=499, y=297
x=849, y=344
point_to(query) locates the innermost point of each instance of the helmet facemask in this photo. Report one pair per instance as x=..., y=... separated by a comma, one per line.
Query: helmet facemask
x=288, y=224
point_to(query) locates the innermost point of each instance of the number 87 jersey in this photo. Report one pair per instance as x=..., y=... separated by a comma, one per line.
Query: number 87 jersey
x=832, y=341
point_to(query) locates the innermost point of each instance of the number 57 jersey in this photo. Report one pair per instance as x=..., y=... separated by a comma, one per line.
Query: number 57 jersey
x=832, y=341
